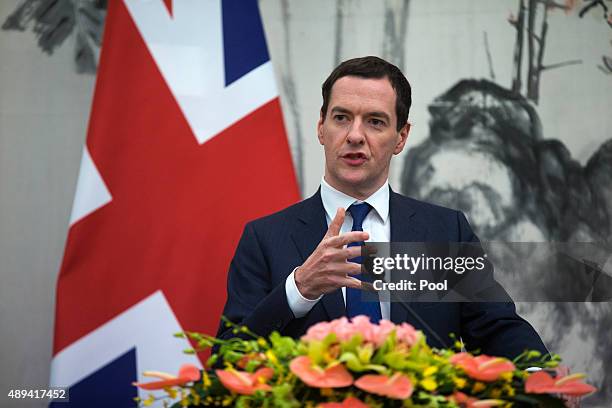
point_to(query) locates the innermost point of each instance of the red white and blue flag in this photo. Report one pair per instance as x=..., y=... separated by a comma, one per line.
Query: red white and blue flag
x=185, y=144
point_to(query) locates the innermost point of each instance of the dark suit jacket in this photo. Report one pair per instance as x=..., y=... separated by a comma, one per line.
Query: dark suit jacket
x=271, y=247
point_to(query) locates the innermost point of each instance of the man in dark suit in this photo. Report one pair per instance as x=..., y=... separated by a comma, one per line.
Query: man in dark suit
x=293, y=269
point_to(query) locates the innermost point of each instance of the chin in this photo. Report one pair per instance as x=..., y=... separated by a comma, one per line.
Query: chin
x=353, y=179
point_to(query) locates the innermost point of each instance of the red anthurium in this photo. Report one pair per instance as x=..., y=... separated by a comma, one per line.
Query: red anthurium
x=242, y=382
x=332, y=377
x=187, y=373
x=350, y=402
x=465, y=401
x=483, y=368
x=542, y=383
x=398, y=386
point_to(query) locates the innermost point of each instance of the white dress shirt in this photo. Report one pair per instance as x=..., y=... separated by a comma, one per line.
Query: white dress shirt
x=376, y=223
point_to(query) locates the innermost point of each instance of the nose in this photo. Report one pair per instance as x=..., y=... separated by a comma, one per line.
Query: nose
x=356, y=134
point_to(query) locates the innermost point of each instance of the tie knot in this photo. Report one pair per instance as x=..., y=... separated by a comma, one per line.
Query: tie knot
x=359, y=212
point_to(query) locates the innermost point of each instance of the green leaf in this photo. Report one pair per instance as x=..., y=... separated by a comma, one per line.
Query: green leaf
x=329, y=340
x=252, y=365
x=284, y=347
x=352, y=362
x=395, y=360
x=283, y=397
x=365, y=353
x=381, y=369
x=315, y=351
x=232, y=356
x=352, y=344
x=212, y=360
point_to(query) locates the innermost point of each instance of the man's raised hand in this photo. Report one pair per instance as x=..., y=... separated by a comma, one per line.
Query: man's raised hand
x=328, y=268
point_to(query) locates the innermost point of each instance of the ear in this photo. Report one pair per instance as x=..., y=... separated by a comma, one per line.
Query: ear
x=320, y=127
x=402, y=137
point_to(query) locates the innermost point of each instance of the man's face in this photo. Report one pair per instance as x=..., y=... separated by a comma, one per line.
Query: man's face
x=359, y=134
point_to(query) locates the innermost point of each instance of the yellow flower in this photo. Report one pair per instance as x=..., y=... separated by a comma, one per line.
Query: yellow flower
x=440, y=359
x=509, y=390
x=478, y=386
x=171, y=392
x=459, y=382
x=272, y=357
x=429, y=384
x=507, y=376
x=227, y=401
x=149, y=401
x=206, y=379
x=196, y=398
x=429, y=371
x=262, y=342
x=496, y=393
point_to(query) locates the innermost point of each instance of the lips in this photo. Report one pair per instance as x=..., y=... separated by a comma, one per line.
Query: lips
x=354, y=159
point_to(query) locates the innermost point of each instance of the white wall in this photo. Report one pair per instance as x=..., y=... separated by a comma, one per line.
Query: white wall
x=444, y=43
x=44, y=107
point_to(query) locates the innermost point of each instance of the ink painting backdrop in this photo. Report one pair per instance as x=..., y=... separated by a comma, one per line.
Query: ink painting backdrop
x=513, y=128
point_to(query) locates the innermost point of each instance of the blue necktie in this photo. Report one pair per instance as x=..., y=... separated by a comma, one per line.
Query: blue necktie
x=355, y=305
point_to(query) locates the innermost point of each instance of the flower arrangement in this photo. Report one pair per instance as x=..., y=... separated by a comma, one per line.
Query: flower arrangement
x=355, y=363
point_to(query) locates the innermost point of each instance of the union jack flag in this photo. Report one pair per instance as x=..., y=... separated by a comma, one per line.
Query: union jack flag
x=185, y=144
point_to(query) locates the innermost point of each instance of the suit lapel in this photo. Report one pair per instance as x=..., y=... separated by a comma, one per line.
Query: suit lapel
x=405, y=227
x=311, y=228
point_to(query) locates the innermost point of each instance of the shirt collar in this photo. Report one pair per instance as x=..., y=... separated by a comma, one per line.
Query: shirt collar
x=333, y=199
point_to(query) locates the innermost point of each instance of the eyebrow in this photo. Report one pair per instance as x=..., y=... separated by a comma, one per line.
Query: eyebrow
x=380, y=114
x=340, y=109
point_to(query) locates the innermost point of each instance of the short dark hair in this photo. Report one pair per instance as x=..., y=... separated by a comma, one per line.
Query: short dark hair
x=373, y=67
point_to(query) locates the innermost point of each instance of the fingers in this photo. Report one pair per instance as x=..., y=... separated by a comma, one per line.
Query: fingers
x=335, y=282
x=336, y=224
x=367, y=286
x=352, y=268
x=336, y=257
x=351, y=252
x=336, y=277
x=351, y=282
x=369, y=250
x=328, y=267
x=333, y=236
x=342, y=268
x=354, y=283
x=347, y=238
